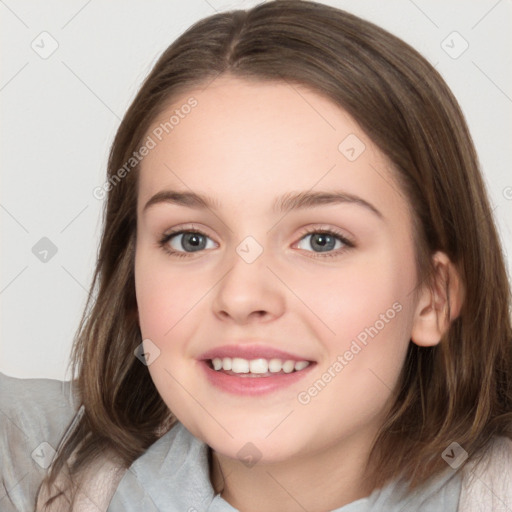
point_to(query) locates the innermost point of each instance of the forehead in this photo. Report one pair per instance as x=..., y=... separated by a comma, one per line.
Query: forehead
x=249, y=141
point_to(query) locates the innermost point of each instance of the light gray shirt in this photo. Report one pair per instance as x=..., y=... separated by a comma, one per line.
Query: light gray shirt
x=171, y=476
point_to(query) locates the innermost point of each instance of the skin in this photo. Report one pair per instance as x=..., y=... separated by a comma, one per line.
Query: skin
x=246, y=143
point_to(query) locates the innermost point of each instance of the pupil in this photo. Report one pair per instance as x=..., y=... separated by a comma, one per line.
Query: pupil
x=193, y=241
x=323, y=241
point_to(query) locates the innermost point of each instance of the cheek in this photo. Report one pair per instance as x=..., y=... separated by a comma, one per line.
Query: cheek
x=368, y=311
x=362, y=300
x=166, y=300
x=165, y=295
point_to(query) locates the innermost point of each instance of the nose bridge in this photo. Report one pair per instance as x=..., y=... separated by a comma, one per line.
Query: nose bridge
x=248, y=286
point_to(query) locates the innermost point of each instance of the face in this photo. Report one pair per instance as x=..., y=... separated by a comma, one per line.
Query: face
x=254, y=278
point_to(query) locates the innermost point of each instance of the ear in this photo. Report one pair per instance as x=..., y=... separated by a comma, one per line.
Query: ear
x=440, y=301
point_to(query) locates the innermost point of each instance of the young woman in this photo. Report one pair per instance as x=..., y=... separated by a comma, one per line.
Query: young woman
x=300, y=297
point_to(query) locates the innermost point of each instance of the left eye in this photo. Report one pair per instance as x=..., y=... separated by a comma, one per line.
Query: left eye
x=325, y=241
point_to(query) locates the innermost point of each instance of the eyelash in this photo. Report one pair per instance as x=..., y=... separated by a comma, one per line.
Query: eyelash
x=163, y=242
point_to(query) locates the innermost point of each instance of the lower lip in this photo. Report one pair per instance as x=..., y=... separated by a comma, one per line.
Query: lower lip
x=251, y=386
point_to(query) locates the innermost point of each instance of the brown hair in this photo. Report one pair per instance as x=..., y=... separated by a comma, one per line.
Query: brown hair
x=459, y=390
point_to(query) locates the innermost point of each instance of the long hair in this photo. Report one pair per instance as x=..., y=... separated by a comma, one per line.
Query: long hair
x=460, y=389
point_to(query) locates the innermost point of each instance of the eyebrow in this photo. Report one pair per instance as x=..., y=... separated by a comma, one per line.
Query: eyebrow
x=287, y=202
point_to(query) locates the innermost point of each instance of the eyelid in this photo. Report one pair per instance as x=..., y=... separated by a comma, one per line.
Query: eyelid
x=343, y=235
x=186, y=228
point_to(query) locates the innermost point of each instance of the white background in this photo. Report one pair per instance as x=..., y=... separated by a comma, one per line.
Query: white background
x=60, y=114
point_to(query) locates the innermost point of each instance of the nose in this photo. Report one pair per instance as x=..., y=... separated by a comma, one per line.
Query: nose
x=249, y=292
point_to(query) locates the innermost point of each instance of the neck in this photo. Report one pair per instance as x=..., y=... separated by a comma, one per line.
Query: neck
x=316, y=482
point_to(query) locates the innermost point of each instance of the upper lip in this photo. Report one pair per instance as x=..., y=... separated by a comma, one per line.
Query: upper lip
x=254, y=351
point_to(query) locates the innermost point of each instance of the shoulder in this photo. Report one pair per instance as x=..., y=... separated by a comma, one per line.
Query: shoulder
x=34, y=415
x=39, y=391
x=32, y=408
x=486, y=483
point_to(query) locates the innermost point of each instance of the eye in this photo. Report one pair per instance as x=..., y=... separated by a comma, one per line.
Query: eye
x=191, y=240
x=325, y=240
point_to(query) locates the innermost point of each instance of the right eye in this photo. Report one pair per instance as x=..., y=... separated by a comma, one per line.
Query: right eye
x=191, y=240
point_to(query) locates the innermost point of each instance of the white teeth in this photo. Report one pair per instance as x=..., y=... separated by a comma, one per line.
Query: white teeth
x=275, y=365
x=258, y=366
x=239, y=365
x=288, y=366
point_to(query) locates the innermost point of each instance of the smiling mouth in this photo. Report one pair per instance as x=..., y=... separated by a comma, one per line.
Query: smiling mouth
x=255, y=368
